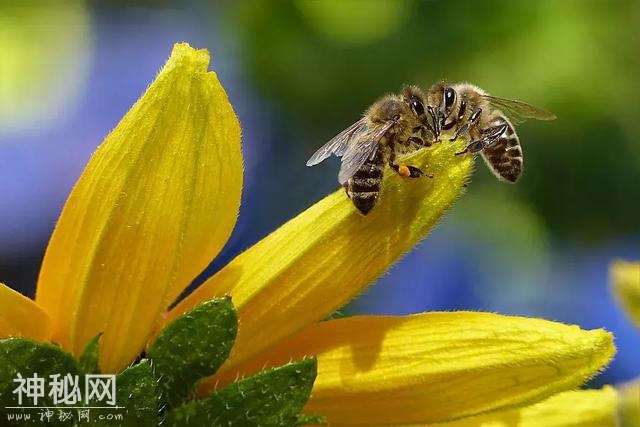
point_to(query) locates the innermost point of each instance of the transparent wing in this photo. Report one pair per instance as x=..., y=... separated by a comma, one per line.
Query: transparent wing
x=519, y=111
x=339, y=143
x=362, y=148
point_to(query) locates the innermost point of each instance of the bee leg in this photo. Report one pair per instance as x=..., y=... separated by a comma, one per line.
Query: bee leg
x=426, y=136
x=346, y=189
x=494, y=133
x=419, y=141
x=428, y=128
x=435, y=126
x=415, y=172
x=403, y=170
x=473, y=119
x=474, y=147
x=462, y=129
x=408, y=171
x=491, y=135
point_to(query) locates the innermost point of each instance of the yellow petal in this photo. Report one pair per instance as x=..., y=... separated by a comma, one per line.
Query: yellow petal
x=155, y=204
x=436, y=367
x=625, y=278
x=21, y=317
x=328, y=254
x=584, y=408
x=630, y=404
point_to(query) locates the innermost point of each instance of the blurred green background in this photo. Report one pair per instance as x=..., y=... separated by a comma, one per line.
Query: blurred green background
x=300, y=71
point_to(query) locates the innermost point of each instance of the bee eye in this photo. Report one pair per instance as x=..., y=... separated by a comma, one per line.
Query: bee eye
x=417, y=106
x=449, y=98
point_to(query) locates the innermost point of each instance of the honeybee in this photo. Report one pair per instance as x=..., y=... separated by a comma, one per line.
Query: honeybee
x=488, y=120
x=394, y=124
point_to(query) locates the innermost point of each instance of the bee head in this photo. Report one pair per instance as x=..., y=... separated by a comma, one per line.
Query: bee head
x=388, y=109
x=443, y=98
x=413, y=97
x=435, y=94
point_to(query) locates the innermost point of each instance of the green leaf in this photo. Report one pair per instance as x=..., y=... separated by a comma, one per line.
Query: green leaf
x=90, y=355
x=270, y=398
x=138, y=393
x=193, y=347
x=136, y=397
x=304, y=420
x=28, y=358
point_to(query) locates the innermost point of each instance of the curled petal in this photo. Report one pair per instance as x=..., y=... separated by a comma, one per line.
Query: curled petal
x=437, y=367
x=155, y=204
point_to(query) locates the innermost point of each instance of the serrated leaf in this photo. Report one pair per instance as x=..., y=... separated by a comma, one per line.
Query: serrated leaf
x=270, y=398
x=89, y=358
x=193, y=347
x=28, y=358
x=138, y=393
x=136, y=398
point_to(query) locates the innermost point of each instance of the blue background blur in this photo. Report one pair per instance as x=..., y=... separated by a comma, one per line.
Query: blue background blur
x=298, y=72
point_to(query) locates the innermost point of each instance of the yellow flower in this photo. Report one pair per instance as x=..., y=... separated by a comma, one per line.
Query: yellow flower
x=625, y=279
x=159, y=199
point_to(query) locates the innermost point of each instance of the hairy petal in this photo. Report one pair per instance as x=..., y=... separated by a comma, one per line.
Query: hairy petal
x=437, y=367
x=328, y=254
x=580, y=408
x=155, y=204
x=584, y=408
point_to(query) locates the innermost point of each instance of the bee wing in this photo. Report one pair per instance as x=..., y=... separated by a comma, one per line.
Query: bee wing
x=339, y=143
x=360, y=149
x=519, y=111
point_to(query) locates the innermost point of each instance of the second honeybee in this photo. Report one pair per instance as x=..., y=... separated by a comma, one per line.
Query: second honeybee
x=487, y=120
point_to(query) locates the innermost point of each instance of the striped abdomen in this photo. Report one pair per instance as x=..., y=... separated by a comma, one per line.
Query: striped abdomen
x=364, y=186
x=504, y=156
